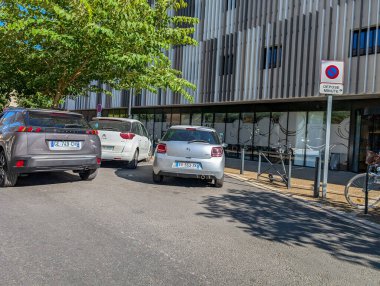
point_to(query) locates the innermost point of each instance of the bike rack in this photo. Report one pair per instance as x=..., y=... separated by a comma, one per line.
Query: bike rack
x=280, y=156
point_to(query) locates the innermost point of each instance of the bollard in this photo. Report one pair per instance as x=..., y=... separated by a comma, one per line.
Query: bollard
x=242, y=161
x=317, y=178
x=366, y=191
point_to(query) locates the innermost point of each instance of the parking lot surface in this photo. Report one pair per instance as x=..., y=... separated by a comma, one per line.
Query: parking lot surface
x=121, y=229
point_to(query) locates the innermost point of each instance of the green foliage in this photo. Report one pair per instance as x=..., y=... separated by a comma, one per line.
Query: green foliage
x=55, y=48
x=4, y=101
x=37, y=100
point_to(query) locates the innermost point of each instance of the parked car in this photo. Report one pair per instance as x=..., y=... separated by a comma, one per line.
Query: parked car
x=123, y=139
x=33, y=140
x=190, y=152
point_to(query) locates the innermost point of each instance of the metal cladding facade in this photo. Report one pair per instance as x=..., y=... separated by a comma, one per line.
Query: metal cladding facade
x=252, y=50
x=257, y=69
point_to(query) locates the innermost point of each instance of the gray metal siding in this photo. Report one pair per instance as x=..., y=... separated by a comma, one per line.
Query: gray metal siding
x=307, y=30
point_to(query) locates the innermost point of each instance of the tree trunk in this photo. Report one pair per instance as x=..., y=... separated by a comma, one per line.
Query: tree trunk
x=56, y=100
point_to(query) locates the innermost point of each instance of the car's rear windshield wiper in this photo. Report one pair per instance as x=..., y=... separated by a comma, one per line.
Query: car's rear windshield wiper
x=198, y=141
x=108, y=128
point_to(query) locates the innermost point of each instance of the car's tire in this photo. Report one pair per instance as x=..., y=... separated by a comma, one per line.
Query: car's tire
x=8, y=178
x=133, y=163
x=219, y=182
x=157, y=178
x=88, y=175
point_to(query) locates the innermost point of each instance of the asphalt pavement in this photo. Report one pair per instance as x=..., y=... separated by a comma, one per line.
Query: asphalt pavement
x=121, y=229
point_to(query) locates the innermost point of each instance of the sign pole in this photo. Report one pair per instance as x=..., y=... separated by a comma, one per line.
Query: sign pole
x=327, y=146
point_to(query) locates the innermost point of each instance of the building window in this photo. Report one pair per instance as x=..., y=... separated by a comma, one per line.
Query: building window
x=365, y=40
x=272, y=57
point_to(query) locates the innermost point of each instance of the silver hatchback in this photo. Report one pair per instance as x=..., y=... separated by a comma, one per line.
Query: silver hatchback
x=190, y=152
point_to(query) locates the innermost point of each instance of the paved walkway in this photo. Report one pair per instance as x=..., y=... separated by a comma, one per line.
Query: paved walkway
x=302, y=182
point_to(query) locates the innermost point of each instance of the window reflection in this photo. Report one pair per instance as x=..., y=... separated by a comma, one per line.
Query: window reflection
x=261, y=130
x=196, y=119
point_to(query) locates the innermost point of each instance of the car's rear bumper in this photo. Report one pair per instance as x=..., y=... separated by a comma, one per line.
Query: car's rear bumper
x=188, y=175
x=211, y=168
x=45, y=163
x=117, y=156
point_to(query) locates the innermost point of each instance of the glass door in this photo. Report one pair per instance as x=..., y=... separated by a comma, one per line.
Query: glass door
x=369, y=138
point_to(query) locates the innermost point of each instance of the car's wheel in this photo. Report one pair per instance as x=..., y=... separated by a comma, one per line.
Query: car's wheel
x=219, y=182
x=88, y=175
x=133, y=163
x=157, y=178
x=8, y=178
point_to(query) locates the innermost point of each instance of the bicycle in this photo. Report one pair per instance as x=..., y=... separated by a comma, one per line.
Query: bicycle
x=356, y=187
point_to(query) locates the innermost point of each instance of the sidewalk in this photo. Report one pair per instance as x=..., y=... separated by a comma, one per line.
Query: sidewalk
x=302, y=183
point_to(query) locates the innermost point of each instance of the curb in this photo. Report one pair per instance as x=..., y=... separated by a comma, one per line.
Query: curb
x=348, y=217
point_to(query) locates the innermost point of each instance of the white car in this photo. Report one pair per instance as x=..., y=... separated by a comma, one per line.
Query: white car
x=190, y=152
x=123, y=140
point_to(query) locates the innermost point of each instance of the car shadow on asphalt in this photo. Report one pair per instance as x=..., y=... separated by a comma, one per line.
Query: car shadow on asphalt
x=270, y=216
x=143, y=174
x=47, y=178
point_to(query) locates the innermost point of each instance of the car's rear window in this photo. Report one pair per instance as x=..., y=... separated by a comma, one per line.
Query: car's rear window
x=57, y=120
x=189, y=135
x=111, y=125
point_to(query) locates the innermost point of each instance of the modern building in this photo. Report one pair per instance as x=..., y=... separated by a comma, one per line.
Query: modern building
x=257, y=71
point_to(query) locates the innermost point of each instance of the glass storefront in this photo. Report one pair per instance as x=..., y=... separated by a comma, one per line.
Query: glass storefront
x=220, y=125
x=301, y=130
x=196, y=119
x=232, y=134
x=262, y=127
x=340, y=133
x=185, y=119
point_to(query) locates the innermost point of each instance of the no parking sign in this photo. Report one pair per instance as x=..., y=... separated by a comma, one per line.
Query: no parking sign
x=332, y=77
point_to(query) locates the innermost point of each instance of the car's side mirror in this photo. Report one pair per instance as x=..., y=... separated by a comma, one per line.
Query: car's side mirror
x=224, y=145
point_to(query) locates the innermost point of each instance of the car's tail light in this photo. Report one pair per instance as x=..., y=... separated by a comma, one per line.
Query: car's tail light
x=161, y=148
x=127, y=136
x=99, y=161
x=216, y=152
x=191, y=129
x=20, y=164
x=28, y=129
x=92, y=132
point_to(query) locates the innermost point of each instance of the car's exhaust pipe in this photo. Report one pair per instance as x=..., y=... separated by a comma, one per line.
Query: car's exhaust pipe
x=203, y=177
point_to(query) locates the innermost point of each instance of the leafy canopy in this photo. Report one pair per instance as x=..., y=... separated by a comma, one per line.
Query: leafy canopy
x=56, y=48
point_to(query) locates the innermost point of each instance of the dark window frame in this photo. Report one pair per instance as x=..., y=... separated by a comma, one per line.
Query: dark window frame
x=273, y=56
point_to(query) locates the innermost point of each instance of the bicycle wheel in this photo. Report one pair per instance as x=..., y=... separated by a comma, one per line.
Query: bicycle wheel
x=355, y=191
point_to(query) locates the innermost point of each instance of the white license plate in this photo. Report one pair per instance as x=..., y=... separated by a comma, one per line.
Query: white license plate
x=107, y=148
x=187, y=165
x=64, y=145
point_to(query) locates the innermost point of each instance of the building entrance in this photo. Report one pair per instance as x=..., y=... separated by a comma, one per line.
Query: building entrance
x=369, y=137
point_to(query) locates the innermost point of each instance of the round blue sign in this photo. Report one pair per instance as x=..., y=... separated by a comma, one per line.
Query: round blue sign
x=332, y=72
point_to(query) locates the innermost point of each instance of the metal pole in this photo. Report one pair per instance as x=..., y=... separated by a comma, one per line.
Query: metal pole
x=290, y=171
x=319, y=171
x=366, y=191
x=259, y=168
x=316, y=178
x=327, y=146
x=242, y=160
x=130, y=105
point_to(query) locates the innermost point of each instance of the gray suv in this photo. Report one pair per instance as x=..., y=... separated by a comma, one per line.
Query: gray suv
x=34, y=140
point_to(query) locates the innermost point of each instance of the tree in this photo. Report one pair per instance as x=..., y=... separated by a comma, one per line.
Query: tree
x=56, y=48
